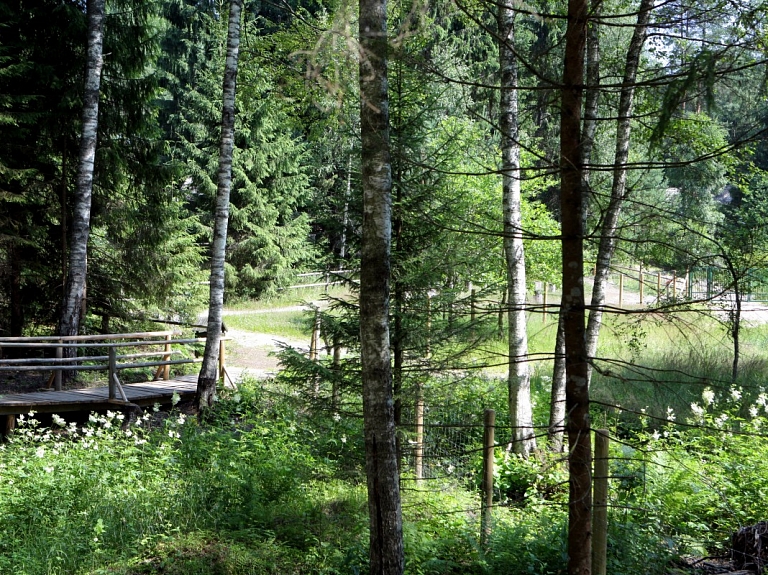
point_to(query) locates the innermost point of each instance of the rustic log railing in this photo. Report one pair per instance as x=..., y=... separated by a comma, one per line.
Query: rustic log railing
x=112, y=362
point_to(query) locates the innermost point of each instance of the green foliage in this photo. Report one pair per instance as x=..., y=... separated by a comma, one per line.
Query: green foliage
x=267, y=234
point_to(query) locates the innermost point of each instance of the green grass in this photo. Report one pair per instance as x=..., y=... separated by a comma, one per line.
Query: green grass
x=289, y=298
x=289, y=324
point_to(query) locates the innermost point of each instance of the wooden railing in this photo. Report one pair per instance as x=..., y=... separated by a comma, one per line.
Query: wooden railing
x=112, y=362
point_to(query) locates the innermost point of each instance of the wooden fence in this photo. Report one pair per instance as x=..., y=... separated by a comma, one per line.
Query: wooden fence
x=104, y=355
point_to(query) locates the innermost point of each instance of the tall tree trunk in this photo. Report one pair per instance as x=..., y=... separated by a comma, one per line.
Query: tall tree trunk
x=69, y=322
x=556, y=427
x=519, y=378
x=206, y=382
x=619, y=187
x=591, y=100
x=345, y=216
x=571, y=205
x=385, y=519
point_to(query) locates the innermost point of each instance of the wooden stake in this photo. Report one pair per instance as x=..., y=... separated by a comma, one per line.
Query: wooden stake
x=600, y=503
x=222, y=360
x=486, y=517
x=112, y=375
x=167, y=357
x=57, y=379
x=9, y=425
x=658, y=286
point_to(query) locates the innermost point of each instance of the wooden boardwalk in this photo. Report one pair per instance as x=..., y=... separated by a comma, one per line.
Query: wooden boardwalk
x=96, y=398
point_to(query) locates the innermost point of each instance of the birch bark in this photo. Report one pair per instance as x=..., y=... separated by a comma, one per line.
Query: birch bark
x=519, y=379
x=206, y=382
x=69, y=322
x=385, y=519
x=610, y=222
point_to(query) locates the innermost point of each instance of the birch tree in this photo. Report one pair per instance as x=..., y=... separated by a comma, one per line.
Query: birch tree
x=385, y=518
x=519, y=378
x=206, y=383
x=609, y=227
x=74, y=291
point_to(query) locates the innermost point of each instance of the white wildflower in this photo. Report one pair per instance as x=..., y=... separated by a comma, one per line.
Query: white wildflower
x=58, y=420
x=182, y=419
x=40, y=452
x=721, y=419
x=343, y=438
x=655, y=435
x=48, y=469
x=336, y=417
x=708, y=396
x=697, y=410
x=93, y=418
x=175, y=398
x=736, y=394
x=753, y=411
x=670, y=414
x=156, y=407
x=762, y=399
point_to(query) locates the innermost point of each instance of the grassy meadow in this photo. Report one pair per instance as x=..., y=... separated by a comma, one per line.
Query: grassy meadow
x=273, y=481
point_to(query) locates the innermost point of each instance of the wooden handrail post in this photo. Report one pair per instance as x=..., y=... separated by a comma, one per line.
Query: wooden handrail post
x=600, y=503
x=486, y=516
x=167, y=357
x=658, y=286
x=222, y=359
x=57, y=379
x=112, y=376
x=314, y=342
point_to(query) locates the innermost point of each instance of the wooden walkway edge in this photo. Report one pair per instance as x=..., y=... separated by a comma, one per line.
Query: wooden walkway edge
x=97, y=398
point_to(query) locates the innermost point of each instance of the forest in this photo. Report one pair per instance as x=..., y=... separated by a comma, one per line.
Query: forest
x=528, y=242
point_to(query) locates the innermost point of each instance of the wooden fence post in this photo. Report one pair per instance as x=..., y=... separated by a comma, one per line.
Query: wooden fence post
x=112, y=375
x=600, y=503
x=222, y=359
x=486, y=516
x=658, y=286
x=167, y=357
x=314, y=342
x=57, y=379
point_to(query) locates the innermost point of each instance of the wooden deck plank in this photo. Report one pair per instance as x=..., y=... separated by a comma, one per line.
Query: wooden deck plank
x=85, y=399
